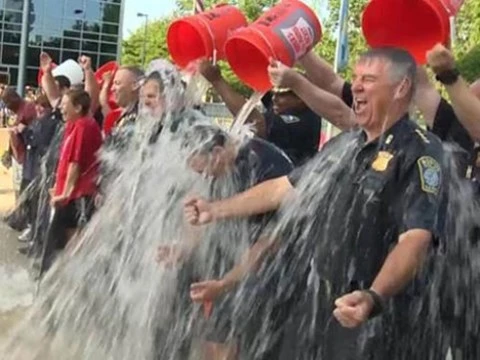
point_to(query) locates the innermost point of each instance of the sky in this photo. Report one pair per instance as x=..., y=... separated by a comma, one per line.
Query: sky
x=154, y=8
x=159, y=8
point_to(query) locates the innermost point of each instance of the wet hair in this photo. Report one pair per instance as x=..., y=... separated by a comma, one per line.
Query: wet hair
x=202, y=139
x=42, y=100
x=63, y=82
x=80, y=98
x=155, y=76
x=403, y=65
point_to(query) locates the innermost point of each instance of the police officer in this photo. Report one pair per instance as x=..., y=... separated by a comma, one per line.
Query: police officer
x=288, y=123
x=378, y=210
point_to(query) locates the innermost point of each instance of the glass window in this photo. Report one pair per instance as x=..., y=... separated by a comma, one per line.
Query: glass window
x=109, y=38
x=13, y=71
x=71, y=44
x=106, y=48
x=11, y=37
x=10, y=54
x=91, y=46
x=93, y=11
x=111, y=13
x=14, y=5
x=33, y=56
x=31, y=77
x=91, y=36
x=110, y=29
x=52, y=41
x=70, y=55
x=54, y=54
x=104, y=58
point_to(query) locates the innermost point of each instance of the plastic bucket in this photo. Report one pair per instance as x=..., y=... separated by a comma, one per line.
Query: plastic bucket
x=413, y=25
x=199, y=36
x=110, y=66
x=285, y=32
x=71, y=69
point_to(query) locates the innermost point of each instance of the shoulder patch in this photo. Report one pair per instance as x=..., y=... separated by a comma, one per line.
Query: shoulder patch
x=423, y=136
x=430, y=174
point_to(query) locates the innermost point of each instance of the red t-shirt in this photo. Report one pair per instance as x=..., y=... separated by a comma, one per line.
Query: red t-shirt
x=81, y=141
x=25, y=115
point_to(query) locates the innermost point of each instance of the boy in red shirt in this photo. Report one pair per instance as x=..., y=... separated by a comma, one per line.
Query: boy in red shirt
x=77, y=172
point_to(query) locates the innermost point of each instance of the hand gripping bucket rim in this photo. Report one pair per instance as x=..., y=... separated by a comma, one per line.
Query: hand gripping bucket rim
x=286, y=32
x=432, y=25
x=184, y=35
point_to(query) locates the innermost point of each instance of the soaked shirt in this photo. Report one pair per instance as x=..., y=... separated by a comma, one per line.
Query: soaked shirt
x=375, y=192
x=296, y=132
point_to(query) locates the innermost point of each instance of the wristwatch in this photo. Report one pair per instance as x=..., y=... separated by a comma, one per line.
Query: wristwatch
x=378, y=303
x=448, y=77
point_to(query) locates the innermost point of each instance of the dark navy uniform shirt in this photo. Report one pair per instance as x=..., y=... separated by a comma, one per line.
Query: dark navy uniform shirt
x=376, y=192
x=296, y=132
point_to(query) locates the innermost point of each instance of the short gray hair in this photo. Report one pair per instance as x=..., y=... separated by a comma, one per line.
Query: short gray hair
x=403, y=65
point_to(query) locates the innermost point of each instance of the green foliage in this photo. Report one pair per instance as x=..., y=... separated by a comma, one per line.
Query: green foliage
x=156, y=45
x=467, y=46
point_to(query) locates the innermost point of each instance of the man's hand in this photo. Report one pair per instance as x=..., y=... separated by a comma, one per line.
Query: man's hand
x=85, y=62
x=209, y=71
x=45, y=62
x=170, y=255
x=206, y=291
x=198, y=211
x=281, y=76
x=353, y=309
x=440, y=59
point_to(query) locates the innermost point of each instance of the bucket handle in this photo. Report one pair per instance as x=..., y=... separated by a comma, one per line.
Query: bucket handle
x=212, y=37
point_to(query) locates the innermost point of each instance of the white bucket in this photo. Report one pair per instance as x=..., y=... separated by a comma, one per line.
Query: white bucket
x=71, y=69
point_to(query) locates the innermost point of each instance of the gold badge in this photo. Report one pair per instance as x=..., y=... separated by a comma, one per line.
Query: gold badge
x=382, y=160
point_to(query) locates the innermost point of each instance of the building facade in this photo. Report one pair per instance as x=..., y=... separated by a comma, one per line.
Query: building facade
x=63, y=28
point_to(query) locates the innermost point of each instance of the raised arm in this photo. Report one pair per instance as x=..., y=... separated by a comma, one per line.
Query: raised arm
x=91, y=85
x=321, y=74
x=48, y=81
x=326, y=104
x=465, y=104
x=427, y=98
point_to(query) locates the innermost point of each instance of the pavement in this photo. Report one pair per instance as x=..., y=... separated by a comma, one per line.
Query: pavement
x=16, y=285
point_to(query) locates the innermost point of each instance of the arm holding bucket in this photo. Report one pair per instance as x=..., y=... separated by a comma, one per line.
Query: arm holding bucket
x=427, y=98
x=465, y=104
x=321, y=74
x=233, y=100
x=323, y=103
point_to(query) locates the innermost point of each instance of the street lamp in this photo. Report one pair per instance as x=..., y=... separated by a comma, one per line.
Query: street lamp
x=144, y=51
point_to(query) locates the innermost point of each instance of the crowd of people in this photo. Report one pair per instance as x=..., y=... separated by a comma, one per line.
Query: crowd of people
x=392, y=175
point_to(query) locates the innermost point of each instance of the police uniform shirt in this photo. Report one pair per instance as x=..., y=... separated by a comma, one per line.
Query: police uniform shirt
x=376, y=192
x=296, y=132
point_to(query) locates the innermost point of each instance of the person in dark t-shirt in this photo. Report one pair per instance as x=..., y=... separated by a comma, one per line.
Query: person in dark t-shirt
x=232, y=168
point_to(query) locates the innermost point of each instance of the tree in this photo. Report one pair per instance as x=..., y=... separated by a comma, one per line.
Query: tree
x=156, y=44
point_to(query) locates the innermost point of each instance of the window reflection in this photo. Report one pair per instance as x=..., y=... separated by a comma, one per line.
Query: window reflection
x=63, y=28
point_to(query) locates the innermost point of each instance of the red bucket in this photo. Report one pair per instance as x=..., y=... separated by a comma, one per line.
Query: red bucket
x=285, y=32
x=110, y=66
x=413, y=25
x=198, y=36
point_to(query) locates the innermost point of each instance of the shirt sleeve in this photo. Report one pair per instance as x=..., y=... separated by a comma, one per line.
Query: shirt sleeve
x=422, y=200
x=295, y=176
x=80, y=138
x=448, y=128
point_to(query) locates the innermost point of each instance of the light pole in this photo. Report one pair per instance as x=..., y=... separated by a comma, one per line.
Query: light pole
x=82, y=21
x=144, y=50
x=22, y=60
